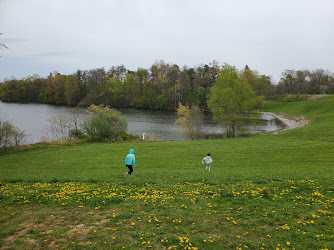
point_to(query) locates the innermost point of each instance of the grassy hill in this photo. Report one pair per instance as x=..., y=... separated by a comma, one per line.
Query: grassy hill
x=266, y=190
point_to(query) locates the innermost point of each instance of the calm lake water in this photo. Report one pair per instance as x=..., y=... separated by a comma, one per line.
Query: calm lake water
x=157, y=124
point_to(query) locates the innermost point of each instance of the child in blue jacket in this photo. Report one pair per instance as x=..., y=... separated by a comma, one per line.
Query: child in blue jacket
x=130, y=161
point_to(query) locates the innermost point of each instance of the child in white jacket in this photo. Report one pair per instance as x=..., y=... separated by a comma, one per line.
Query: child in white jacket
x=207, y=161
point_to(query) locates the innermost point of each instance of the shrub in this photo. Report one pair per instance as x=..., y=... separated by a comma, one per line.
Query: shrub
x=103, y=124
x=122, y=135
x=76, y=133
x=10, y=136
x=194, y=135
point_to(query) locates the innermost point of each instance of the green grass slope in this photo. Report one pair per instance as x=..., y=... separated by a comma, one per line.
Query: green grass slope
x=271, y=191
x=320, y=112
x=307, y=150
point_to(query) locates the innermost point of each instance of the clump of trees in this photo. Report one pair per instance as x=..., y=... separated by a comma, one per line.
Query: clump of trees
x=318, y=81
x=162, y=86
x=230, y=98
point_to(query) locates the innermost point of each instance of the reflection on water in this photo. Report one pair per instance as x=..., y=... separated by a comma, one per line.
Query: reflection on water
x=158, y=124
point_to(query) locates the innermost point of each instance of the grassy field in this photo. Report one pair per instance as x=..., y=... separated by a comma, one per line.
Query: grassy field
x=264, y=191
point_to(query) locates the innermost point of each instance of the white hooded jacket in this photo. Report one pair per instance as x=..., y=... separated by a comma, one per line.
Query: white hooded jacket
x=207, y=160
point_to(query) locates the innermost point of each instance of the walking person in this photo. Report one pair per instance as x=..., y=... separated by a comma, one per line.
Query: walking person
x=130, y=161
x=207, y=161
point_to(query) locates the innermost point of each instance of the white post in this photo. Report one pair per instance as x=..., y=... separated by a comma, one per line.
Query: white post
x=143, y=136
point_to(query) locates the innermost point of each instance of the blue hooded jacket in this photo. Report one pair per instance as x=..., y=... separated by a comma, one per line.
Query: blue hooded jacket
x=130, y=158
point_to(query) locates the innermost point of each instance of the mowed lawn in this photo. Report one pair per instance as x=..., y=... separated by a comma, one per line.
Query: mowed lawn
x=269, y=191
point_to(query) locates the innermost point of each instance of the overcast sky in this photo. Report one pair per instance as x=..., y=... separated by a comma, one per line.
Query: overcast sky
x=269, y=36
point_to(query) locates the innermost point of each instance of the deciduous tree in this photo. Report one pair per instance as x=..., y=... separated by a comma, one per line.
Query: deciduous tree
x=190, y=121
x=229, y=99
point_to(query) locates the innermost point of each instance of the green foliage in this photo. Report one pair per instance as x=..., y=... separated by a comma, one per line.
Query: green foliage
x=162, y=101
x=104, y=123
x=72, y=91
x=76, y=133
x=260, y=84
x=200, y=97
x=44, y=95
x=230, y=98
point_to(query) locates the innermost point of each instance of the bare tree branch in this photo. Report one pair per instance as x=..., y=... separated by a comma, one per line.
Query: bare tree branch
x=2, y=45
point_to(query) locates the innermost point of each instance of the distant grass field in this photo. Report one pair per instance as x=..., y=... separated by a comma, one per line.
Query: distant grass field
x=264, y=191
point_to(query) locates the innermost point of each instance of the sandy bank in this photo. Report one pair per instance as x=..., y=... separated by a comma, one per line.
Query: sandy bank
x=289, y=121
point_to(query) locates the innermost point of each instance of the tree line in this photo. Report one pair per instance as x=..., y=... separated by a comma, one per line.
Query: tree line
x=162, y=86
x=318, y=81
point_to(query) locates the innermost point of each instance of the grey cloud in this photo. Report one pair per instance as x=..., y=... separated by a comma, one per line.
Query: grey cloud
x=269, y=36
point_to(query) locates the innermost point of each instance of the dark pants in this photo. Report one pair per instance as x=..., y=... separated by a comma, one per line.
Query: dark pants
x=130, y=169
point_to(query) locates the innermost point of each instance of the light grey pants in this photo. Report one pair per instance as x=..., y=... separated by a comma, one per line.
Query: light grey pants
x=208, y=166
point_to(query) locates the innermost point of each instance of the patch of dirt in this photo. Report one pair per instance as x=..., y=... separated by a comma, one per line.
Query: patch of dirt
x=44, y=222
x=80, y=229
